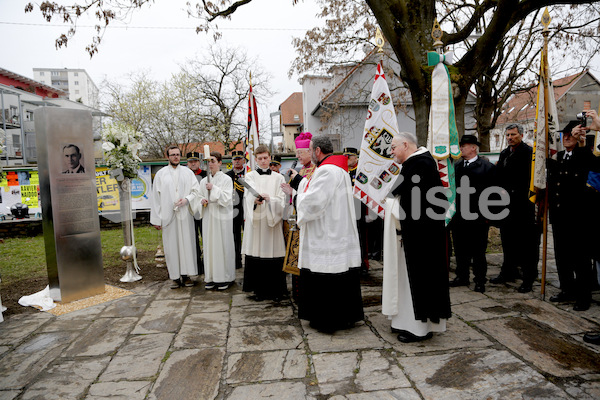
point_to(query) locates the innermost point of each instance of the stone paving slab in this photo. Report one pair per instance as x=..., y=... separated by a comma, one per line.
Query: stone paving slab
x=59, y=324
x=357, y=338
x=90, y=313
x=203, y=330
x=481, y=310
x=189, y=374
x=15, y=329
x=66, y=379
x=398, y=394
x=481, y=374
x=266, y=366
x=267, y=313
x=549, y=351
x=21, y=366
x=9, y=394
x=379, y=370
x=546, y=313
x=335, y=372
x=129, y=306
x=162, y=316
x=119, y=390
x=270, y=391
x=200, y=304
x=462, y=294
x=264, y=338
x=458, y=335
x=103, y=336
x=139, y=358
x=166, y=293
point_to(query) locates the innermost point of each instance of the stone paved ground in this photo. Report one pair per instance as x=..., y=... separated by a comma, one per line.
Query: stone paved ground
x=195, y=344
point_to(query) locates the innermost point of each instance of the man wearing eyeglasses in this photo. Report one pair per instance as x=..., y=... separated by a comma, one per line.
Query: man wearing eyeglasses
x=175, y=196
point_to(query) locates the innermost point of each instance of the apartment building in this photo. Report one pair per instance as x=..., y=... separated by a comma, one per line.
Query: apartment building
x=76, y=82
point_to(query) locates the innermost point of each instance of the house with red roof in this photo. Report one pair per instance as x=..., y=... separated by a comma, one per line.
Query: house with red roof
x=573, y=94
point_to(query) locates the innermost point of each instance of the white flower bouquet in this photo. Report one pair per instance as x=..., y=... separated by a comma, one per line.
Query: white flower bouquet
x=121, y=146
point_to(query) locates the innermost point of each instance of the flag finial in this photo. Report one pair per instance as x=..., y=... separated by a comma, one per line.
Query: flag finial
x=436, y=34
x=250, y=73
x=379, y=41
x=546, y=19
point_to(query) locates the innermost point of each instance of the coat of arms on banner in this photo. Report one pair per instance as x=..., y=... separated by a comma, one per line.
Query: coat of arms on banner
x=382, y=144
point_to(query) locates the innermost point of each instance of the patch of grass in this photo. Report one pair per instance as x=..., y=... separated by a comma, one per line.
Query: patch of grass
x=25, y=258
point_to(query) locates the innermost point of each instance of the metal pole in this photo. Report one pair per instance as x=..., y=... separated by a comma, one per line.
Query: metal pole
x=4, y=123
x=21, y=122
x=545, y=77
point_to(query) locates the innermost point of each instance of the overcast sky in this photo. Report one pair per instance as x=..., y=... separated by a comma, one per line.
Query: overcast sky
x=157, y=39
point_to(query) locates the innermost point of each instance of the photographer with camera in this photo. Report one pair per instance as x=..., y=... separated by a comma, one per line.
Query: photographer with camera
x=572, y=229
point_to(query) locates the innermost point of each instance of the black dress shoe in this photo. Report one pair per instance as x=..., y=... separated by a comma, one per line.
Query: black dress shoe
x=175, y=284
x=480, y=287
x=562, y=297
x=581, y=307
x=592, y=337
x=525, y=288
x=407, y=337
x=458, y=282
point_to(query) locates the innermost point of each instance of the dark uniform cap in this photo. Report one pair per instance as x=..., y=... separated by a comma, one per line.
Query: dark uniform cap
x=276, y=160
x=237, y=154
x=192, y=156
x=569, y=127
x=469, y=139
x=350, y=151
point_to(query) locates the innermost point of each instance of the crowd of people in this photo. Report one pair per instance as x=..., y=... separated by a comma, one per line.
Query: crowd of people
x=241, y=219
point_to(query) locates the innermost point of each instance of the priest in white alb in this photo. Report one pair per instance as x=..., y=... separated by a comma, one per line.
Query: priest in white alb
x=216, y=197
x=263, y=245
x=329, y=255
x=175, y=193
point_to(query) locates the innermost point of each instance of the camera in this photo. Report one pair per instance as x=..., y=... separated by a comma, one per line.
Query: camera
x=582, y=117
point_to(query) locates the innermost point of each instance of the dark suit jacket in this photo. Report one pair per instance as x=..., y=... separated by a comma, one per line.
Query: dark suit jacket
x=514, y=176
x=481, y=174
x=569, y=195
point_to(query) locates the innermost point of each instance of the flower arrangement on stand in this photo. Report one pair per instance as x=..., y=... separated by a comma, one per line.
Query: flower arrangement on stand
x=121, y=146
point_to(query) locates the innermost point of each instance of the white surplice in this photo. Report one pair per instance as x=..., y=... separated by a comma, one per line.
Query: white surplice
x=217, y=229
x=171, y=184
x=328, y=233
x=396, y=299
x=263, y=232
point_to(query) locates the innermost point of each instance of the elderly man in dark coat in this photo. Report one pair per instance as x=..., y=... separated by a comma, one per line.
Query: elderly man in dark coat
x=469, y=226
x=519, y=231
x=421, y=268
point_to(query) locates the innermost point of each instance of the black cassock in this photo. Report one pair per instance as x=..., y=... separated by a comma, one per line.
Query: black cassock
x=424, y=238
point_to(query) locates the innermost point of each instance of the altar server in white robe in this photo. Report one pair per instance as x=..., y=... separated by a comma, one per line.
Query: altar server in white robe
x=175, y=193
x=329, y=255
x=216, y=212
x=263, y=245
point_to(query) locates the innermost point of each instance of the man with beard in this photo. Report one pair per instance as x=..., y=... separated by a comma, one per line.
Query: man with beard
x=175, y=192
x=416, y=294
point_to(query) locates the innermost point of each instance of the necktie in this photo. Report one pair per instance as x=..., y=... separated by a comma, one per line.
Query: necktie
x=567, y=156
x=466, y=163
x=263, y=171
